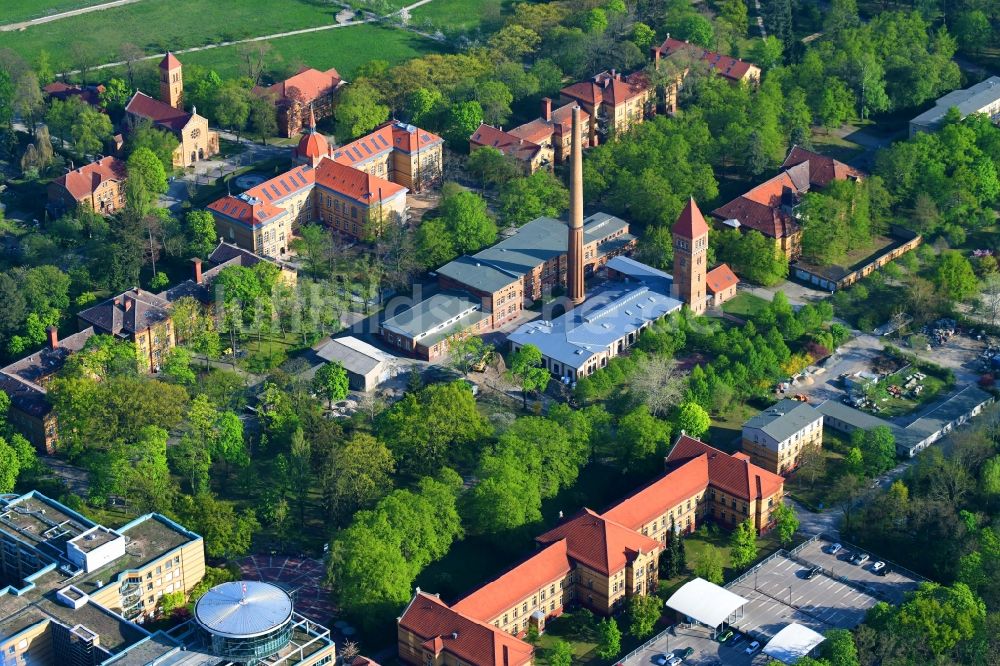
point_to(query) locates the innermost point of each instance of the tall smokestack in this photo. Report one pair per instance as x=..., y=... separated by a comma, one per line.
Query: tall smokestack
x=574, y=274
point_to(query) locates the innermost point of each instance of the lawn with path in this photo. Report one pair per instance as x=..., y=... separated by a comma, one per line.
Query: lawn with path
x=13, y=11
x=449, y=15
x=745, y=305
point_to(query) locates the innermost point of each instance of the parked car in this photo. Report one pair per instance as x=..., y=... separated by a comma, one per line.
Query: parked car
x=686, y=652
x=860, y=559
x=879, y=567
x=674, y=661
x=835, y=548
x=813, y=571
x=725, y=635
x=753, y=647
x=660, y=659
x=736, y=640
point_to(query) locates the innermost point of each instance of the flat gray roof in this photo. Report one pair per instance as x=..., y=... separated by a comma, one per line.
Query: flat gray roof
x=531, y=246
x=355, y=355
x=439, y=313
x=609, y=314
x=784, y=419
x=968, y=100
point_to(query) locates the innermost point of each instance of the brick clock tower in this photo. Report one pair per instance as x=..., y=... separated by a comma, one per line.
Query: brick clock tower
x=171, y=81
x=690, y=234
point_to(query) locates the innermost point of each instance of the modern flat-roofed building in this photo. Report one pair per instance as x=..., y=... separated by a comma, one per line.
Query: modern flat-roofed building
x=984, y=97
x=599, y=560
x=73, y=591
x=423, y=329
x=775, y=438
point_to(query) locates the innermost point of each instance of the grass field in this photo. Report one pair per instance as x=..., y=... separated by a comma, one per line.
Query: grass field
x=156, y=26
x=455, y=14
x=745, y=305
x=343, y=48
x=13, y=11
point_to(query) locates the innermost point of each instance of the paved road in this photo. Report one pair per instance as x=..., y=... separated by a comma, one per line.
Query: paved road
x=55, y=17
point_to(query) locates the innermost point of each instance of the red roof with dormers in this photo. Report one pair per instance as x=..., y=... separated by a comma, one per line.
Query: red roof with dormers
x=306, y=86
x=544, y=567
x=734, y=475
x=608, y=88
x=82, y=182
x=410, y=138
x=668, y=491
x=720, y=278
x=262, y=203
x=598, y=542
x=471, y=641
x=690, y=223
x=727, y=66
x=761, y=207
x=822, y=169
x=353, y=183
x=505, y=142
x=170, y=61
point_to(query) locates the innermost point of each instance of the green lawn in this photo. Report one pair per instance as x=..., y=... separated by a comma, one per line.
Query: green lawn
x=155, y=26
x=12, y=11
x=834, y=146
x=725, y=431
x=745, y=305
x=893, y=406
x=343, y=48
x=455, y=14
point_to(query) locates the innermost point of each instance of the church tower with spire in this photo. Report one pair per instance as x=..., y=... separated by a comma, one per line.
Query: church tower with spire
x=171, y=81
x=690, y=234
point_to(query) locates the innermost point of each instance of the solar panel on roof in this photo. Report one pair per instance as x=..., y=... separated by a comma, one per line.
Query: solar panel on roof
x=425, y=137
x=274, y=188
x=367, y=149
x=268, y=195
x=288, y=190
x=382, y=139
x=302, y=178
x=357, y=153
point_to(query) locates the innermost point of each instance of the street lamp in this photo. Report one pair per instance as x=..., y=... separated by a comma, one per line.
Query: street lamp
x=790, y=595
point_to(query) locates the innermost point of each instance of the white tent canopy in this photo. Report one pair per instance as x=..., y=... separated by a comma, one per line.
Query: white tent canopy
x=705, y=602
x=792, y=643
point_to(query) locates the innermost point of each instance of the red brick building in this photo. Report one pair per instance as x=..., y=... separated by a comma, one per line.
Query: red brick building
x=309, y=89
x=99, y=186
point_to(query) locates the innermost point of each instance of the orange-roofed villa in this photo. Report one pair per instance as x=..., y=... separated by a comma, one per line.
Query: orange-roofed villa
x=598, y=561
x=349, y=189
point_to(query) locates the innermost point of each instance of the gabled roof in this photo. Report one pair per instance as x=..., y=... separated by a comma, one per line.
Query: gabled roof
x=727, y=66
x=598, y=542
x=822, y=169
x=474, y=643
x=544, y=567
x=393, y=135
x=720, y=278
x=784, y=419
x=129, y=312
x=157, y=112
x=353, y=183
x=306, y=86
x=732, y=475
x=760, y=208
x=410, y=138
x=35, y=368
x=690, y=223
x=262, y=203
x=82, y=182
x=690, y=478
x=506, y=142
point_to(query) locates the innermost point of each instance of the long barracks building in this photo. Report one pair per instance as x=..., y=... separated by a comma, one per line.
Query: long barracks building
x=596, y=560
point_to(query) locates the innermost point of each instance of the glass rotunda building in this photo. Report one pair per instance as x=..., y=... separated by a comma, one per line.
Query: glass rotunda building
x=245, y=621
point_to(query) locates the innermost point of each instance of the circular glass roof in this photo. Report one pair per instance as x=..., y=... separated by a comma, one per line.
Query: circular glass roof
x=243, y=609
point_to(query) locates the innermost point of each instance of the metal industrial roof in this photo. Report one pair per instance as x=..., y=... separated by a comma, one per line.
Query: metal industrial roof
x=434, y=312
x=243, y=609
x=608, y=314
x=705, y=602
x=355, y=355
x=784, y=419
x=968, y=100
x=792, y=643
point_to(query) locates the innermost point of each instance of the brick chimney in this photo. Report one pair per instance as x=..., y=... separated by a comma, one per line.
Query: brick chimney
x=197, y=270
x=547, y=109
x=128, y=303
x=656, y=57
x=574, y=254
x=53, y=337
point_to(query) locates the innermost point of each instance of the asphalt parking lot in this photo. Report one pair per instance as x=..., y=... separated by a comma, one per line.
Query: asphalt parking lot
x=779, y=592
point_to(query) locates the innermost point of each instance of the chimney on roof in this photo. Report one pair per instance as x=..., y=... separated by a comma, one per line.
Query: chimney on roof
x=546, y=109
x=616, y=75
x=117, y=301
x=128, y=303
x=454, y=635
x=53, y=337
x=197, y=270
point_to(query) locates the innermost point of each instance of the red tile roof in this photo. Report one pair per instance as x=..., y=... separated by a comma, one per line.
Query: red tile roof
x=354, y=183
x=89, y=94
x=599, y=543
x=306, y=86
x=82, y=182
x=760, y=208
x=727, y=66
x=169, y=61
x=261, y=203
x=608, y=87
x=410, y=138
x=312, y=145
x=505, y=142
x=690, y=223
x=732, y=475
x=668, y=491
x=475, y=643
x=537, y=131
x=544, y=567
x=158, y=112
x=822, y=169
x=720, y=278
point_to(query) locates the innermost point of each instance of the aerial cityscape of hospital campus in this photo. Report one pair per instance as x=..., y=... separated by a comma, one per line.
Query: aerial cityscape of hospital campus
x=499, y=333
